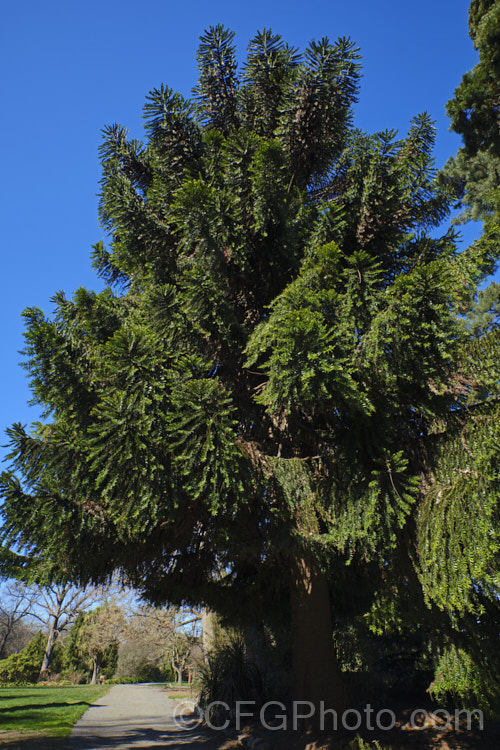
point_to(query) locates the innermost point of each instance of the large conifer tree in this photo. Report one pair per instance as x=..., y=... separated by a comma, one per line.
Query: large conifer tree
x=269, y=405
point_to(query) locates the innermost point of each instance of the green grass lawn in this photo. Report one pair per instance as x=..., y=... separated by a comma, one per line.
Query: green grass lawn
x=51, y=710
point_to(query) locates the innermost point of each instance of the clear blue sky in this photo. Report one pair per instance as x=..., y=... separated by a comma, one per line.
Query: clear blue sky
x=69, y=68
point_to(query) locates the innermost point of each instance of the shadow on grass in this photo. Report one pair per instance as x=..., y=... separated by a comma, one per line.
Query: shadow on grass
x=42, y=706
x=34, y=743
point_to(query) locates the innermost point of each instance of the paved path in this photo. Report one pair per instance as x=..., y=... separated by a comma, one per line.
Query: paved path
x=137, y=716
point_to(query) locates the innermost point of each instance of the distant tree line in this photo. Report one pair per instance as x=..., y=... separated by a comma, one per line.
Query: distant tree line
x=85, y=634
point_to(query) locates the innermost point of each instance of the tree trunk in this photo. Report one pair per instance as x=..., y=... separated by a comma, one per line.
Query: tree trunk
x=3, y=641
x=8, y=625
x=178, y=673
x=316, y=674
x=51, y=641
x=207, y=631
x=95, y=670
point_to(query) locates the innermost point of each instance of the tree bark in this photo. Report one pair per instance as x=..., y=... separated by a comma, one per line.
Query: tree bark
x=207, y=631
x=95, y=670
x=178, y=674
x=51, y=641
x=316, y=675
x=3, y=641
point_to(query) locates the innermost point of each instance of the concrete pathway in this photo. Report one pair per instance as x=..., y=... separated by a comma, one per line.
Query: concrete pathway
x=138, y=716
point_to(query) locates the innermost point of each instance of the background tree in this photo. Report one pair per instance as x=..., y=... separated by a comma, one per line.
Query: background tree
x=136, y=662
x=261, y=415
x=474, y=171
x=484, y=315
x=78, y=664
x=17, y=603
x=73, y=662
x=25, y=665
x=99, y=634
x=475, y=116
x=169, y=636
x=182, y=637
x=57, y=607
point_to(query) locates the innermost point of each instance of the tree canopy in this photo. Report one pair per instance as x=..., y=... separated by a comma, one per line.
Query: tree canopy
x=275, y=392
x=474, y=114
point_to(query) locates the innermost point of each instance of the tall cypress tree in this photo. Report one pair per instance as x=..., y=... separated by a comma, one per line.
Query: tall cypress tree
x=262, y=410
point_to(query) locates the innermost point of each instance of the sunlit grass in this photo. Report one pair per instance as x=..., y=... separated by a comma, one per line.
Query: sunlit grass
x=52, y=710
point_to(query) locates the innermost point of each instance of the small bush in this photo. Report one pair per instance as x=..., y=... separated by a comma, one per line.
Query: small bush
x=74, y=677
x=24, y=666
x=228, y=677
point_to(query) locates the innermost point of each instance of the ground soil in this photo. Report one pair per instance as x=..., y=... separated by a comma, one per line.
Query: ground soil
x=433, y=735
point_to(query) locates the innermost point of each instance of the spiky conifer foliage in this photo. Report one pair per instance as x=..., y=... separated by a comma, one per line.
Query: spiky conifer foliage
x=275, y=382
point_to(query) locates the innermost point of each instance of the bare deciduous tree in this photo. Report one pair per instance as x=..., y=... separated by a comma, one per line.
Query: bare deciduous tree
x=171, y=633
x=17, y=603
x=57, y=608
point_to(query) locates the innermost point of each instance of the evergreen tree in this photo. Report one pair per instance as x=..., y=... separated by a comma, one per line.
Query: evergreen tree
x=76, y=657
x=73, y=661
x=24, y=666
x=475, y=115
x=99, y=634
x=269, y=407
x=484, y=314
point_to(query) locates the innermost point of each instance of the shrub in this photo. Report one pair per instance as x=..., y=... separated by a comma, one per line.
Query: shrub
x=24, y=666
x=228, y=677
x=74, y=677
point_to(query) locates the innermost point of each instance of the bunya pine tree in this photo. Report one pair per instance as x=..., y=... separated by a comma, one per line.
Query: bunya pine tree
x=267, y=409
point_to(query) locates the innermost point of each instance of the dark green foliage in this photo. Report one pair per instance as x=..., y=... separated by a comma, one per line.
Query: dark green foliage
x=109, y=661
x=392, y=664
x=216, y=91
x=145, y=671
x=314, y=120
x=9, y=563
x=271, y=66
x=72, y=657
